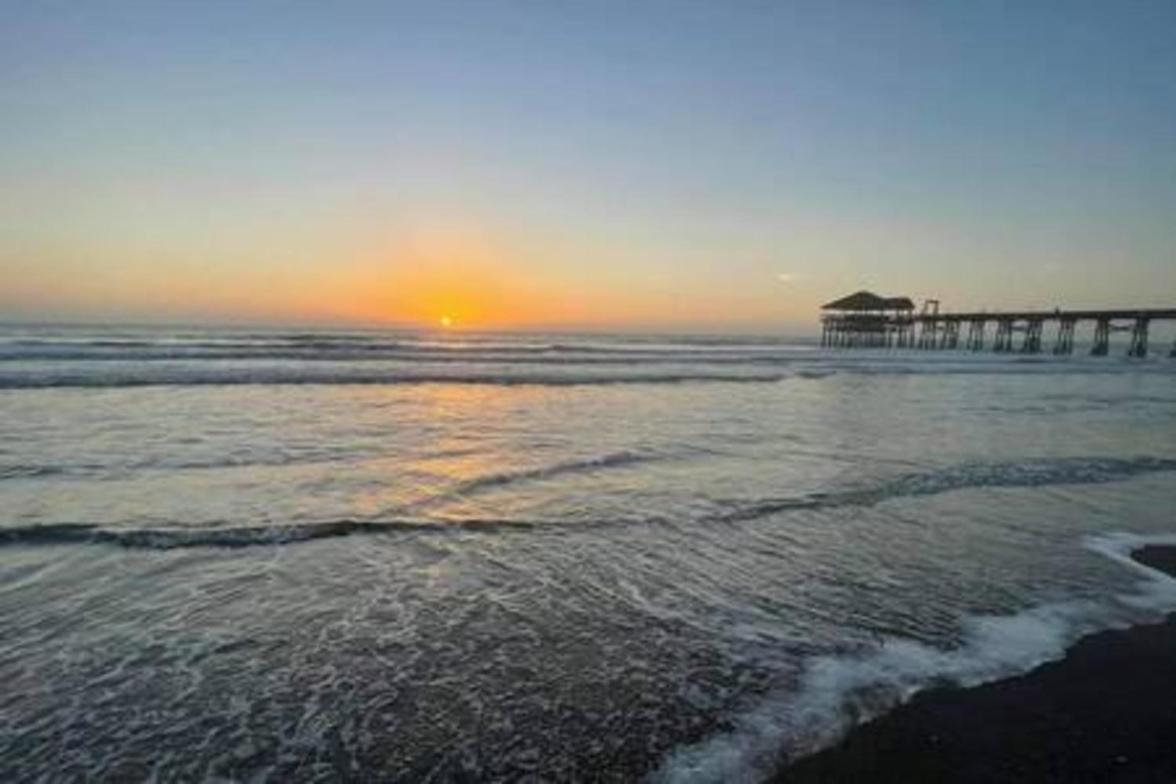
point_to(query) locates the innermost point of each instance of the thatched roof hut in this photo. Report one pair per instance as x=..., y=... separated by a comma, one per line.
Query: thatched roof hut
x=869, y=302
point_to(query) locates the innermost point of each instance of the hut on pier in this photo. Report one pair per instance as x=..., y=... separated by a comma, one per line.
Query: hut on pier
x=867, y=319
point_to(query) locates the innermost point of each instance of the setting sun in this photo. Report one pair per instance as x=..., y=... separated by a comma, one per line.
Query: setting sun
x=446, y=322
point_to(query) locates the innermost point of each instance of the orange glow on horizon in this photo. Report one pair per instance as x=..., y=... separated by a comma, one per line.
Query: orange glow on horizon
x=444, y=279
x=441, y=279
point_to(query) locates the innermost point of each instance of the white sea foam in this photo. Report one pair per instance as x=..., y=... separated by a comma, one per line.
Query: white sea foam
x=835, y=693
x=1157, y=592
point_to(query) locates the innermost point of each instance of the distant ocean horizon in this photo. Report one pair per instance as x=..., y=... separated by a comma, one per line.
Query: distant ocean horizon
x=798, y=330
x=283, y=554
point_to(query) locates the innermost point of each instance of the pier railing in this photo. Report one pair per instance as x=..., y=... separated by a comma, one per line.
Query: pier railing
x=942, y=331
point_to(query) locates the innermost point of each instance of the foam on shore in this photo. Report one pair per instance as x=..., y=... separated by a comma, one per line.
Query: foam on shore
x=836, y=693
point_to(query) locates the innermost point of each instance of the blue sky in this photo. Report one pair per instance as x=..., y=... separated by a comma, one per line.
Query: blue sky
x=616, y=164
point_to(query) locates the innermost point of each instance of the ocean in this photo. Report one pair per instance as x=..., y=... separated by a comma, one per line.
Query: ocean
x=276, y=555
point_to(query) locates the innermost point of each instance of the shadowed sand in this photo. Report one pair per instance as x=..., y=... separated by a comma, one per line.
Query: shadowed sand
x=1162, y=557
x=1104, y=713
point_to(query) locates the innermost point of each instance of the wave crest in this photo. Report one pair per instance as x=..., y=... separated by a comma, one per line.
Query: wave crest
x=148, y=377
x=239, y=536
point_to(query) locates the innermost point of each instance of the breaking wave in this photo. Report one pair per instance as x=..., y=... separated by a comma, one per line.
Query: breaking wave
x=241, y=536
x=835, y=693
x=554, y=354
x=148, y=377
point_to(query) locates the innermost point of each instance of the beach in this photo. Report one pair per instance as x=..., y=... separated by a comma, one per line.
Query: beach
x=1104, y=713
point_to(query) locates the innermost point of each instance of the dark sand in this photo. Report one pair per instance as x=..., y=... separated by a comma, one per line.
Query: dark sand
x=1157, y=557
x=1104, y=713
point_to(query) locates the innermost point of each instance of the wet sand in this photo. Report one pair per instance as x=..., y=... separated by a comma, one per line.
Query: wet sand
x=1104, y=713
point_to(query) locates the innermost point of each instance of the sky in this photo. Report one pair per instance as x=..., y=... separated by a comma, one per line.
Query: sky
x=631, y=165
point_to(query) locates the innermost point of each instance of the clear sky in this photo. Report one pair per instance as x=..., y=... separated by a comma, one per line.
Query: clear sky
x=695, y=165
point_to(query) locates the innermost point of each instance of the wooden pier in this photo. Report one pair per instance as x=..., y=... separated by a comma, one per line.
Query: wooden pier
x=866, y=320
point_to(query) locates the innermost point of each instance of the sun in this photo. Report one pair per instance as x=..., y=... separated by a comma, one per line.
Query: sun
x=446, y=321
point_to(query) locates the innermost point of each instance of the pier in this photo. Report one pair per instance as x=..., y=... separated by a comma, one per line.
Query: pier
x=866, y=320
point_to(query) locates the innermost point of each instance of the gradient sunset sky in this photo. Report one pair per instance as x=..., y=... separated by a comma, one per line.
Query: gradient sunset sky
x=651, y=165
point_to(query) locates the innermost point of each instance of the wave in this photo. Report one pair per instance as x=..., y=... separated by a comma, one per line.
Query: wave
x=372, y=354
x=569, y=467
x=340, y=368
x=1019, y=473
x=233, y=537
x=309, y=343
x=835, y=693
x=29, y=471
x=474, y=485
x=302, y=377
x=244, y=536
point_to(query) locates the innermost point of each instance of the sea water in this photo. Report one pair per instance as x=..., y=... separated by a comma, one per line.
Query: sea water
x=276, y=555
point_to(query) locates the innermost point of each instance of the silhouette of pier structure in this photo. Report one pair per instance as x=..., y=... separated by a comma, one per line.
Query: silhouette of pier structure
x=866, y=320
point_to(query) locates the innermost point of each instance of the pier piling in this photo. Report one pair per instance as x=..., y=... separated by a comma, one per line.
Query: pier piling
x=976, y=334
x=904, y=335
x=949, y=336
x=1102, y=338
x=1003, y=342
x=1138, y=347
x=927, y=338
x=1065, y=341
x=1032, y=342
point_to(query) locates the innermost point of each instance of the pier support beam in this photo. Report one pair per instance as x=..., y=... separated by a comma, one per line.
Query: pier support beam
x=1065, y=341
x=976, y=334
x=928, y=336
x=1138, y=347
x=1003, y=342
x=950, y=339
x=906, y=334
x=1032, y=342
x=1102, y=338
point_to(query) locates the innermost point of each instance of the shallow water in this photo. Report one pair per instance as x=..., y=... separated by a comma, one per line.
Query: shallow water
x=282, y=556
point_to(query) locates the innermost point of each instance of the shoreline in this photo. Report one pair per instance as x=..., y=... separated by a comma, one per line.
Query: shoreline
x=1105, y=712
